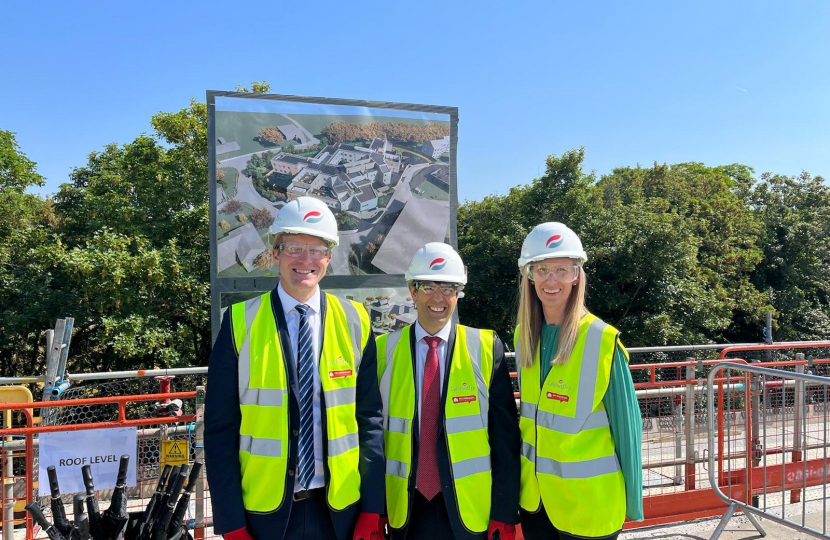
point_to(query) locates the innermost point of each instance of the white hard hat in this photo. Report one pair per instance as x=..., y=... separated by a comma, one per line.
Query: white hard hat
x=552, y=240
x=437, y=261
x=307, y=215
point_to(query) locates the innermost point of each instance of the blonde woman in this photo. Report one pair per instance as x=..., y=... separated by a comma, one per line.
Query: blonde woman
x=581, y=428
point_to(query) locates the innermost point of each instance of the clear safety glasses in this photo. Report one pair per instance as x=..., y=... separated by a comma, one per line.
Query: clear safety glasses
x=563, y=273
x=447, y=289
x=296, y=249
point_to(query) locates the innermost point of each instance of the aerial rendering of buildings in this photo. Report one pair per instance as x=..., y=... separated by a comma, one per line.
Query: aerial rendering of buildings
x=421, y=221
x=241, y=246
x=344, y=176
x=436, y=147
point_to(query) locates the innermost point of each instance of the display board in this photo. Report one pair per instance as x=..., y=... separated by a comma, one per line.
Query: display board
x=386, y=170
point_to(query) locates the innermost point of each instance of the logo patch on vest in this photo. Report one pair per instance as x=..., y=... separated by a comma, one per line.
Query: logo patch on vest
x=339, y=361
x=561, y=393
x=340, y=373
x=463, y=399
x=558, y=397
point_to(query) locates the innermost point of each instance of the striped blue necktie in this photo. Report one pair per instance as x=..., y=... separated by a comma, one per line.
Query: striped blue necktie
x=305, y=380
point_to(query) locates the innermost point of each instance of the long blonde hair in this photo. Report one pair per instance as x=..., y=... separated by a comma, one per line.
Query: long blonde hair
x=531, y=319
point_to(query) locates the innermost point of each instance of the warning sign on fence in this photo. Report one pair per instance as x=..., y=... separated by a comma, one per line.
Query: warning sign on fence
x=174, y=452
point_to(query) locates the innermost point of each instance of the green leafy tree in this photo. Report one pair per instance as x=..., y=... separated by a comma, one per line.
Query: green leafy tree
x=671, y=250
x=795, y=268
x=27, y=301
x=134, y=266
x=491, y=231
x=257, y=87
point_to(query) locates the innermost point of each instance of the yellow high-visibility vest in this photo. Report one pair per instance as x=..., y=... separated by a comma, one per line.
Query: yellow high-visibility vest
x=572, y=466
x=466, y=406
x=263, y=393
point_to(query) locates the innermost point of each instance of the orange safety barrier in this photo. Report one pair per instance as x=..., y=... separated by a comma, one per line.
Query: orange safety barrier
x=666, y=389
x=697, y=501
x=29, y=431
x=673, y=404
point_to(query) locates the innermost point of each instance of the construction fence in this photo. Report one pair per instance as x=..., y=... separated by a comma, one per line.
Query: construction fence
x=757, y=426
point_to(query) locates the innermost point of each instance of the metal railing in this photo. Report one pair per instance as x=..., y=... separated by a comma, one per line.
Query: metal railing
x=20, y=451
x=673, y=401
x=763, y=477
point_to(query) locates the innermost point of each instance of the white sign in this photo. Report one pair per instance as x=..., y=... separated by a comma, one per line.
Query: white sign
x=101, y=449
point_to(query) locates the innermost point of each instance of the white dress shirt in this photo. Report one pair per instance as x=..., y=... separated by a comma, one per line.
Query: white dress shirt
x=421, y=349
x=292, y=319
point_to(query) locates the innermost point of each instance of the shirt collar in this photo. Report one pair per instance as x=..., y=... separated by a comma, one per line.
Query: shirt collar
x=289, y=302
x=444, y=333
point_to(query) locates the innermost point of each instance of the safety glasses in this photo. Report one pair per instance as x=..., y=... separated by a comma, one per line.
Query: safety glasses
x=296, y=249
x=563, y=273
x=447, y=289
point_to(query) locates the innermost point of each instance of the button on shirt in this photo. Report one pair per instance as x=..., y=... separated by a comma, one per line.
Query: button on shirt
x=421, y=349
x=292, y=319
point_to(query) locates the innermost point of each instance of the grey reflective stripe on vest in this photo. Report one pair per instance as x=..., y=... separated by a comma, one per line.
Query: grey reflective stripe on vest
x=578, y=469
x=244, y=363
x=584, y=418
x=260, y=447
x=397, y=425
x=264, y=397
x=460, y=424
x=340, y=396
x=529, y=451
x=343, y=444
x=460, y=469
x=356, y=331
x=589, y=369
x=386, y=378
x=396, y=468
x=474, y=350
x=528, y=410
x=571, y=426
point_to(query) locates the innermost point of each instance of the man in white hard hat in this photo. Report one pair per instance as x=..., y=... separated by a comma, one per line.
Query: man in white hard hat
x=293, y=432
x=450, y=420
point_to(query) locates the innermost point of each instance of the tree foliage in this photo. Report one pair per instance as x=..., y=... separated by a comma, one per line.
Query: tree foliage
x=262, y=218
x=681, y=253
x=795, y=240
x=17, y=172
x=270, y=134
x=338, y=132
x=124, y=250
x=26, y=239
x=677, y=254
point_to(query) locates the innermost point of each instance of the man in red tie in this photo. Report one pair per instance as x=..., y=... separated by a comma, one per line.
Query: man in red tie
x=450, y=424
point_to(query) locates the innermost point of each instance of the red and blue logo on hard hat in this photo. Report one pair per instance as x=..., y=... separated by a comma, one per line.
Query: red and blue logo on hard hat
x=313, y=217
x=554, y=241
x=438, y=264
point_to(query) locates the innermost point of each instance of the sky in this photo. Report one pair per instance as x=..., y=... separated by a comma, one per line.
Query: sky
x=631, y=82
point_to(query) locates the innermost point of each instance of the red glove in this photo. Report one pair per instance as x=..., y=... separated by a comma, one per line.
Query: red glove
x=367, y=527
x=238, y=534
x=506, y=530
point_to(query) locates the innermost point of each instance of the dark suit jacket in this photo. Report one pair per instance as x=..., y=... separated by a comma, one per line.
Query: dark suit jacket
x=505, y=445
x=223, y=419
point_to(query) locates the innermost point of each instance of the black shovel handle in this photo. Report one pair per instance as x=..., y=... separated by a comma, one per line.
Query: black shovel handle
x=86, y=472
x=78, y=506
x=123, y=466
x=53, y=481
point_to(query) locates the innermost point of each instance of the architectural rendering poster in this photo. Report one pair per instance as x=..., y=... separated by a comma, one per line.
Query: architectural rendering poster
x=386, y=170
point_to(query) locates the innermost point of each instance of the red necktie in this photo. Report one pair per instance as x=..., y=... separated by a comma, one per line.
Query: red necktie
x=428, y=481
